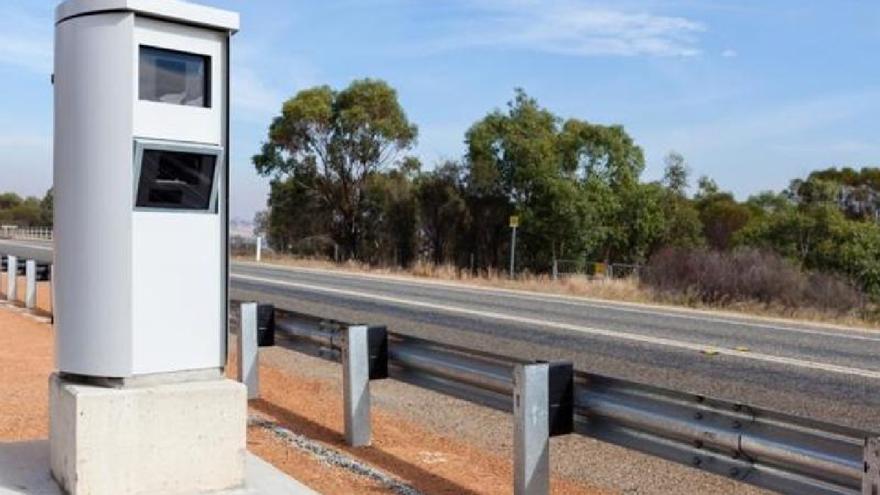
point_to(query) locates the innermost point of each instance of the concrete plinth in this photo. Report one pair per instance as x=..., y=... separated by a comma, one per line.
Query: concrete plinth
x=178, y=438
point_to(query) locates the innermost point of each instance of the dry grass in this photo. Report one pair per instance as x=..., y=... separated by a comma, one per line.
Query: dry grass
x=619, y=290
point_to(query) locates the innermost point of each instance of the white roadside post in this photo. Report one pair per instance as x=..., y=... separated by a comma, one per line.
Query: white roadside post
x=11, y=278
x=248, y=352
x=259, y=256
x=514, y=224
x=140, y=402
x=356, y=386
x=30, y=293
x=531, y=435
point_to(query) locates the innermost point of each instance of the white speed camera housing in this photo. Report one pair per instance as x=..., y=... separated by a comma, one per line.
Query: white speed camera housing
x=141, y=186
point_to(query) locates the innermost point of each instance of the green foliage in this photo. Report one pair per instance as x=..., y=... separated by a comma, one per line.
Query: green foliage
x=820, y=237
x=390, y=217
x=675, y=176
x=345, y=137
x=575, y=185
x=340, y=181
x=26, y=212
x=442, y=210
x=721, y=215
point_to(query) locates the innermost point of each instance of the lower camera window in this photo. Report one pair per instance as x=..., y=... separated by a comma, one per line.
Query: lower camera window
x=176, y=180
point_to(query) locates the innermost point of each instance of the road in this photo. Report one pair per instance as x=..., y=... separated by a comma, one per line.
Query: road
x=41, y=251
x=806, y=369
x=812, y=370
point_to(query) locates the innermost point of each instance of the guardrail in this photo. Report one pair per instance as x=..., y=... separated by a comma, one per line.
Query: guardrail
x=775, y=451
x=33, y=271
x=26, y=233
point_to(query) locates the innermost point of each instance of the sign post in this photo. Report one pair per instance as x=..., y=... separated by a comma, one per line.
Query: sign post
x=514, y=223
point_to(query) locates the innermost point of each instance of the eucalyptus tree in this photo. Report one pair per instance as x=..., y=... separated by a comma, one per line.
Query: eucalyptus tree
x=345, y=137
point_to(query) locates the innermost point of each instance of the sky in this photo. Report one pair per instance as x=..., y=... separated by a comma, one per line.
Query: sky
x=753, y=93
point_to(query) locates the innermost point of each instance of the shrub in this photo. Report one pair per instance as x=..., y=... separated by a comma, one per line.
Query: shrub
x=747, y=275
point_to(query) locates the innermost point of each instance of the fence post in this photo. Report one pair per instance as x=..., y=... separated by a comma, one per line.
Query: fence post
x=555, y=269
x=356, y=386
x=11, y=278
x=30, y=292
x=531, y=432
x=259, y=248
x=248, y=362
x=871, y=478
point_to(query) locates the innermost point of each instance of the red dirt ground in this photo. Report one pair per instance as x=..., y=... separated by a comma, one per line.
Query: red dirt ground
x=431, y=463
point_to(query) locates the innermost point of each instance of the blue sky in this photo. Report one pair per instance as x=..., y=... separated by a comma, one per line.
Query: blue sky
x=753, y=93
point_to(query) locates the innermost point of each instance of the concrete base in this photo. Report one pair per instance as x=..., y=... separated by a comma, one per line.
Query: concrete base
x=178, y=438
x=24, y=470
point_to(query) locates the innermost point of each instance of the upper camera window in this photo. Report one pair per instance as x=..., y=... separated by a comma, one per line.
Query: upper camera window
x=179, y=78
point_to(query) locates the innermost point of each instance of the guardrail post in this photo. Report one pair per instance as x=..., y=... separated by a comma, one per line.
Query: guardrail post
x=51, y=276
x=11, y=278
x=356, y=386
x=248, y=358
x=2, y=289
x=30, y=293
x=871, y=478
x=531, y=432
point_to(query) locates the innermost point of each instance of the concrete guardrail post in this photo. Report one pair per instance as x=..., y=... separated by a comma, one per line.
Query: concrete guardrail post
x=248, y=356
x=30, y=293
x=51, y=276
x=356, y=386
x=2, y=288
x=11, y=278
x=531, y=432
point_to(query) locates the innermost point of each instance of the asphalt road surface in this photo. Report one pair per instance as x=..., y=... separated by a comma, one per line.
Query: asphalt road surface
x=41, y=251
x=818, y=371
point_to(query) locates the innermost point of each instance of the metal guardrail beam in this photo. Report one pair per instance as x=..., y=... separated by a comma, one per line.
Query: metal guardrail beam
x=780, y=452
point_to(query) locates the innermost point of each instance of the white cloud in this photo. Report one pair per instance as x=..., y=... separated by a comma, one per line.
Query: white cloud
x=729, y=53
x=574, y=28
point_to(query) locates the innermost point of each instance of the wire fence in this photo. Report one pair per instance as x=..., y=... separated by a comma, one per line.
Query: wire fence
x=594, y=270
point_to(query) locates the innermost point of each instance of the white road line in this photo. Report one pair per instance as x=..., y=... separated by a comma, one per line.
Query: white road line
x=644, y=339
x=846, y=333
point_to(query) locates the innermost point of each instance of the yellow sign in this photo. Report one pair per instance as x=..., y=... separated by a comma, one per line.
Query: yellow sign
x=514, y=221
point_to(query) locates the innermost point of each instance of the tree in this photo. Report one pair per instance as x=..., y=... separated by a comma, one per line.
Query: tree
x=675, y=176
x=345, y=136
x=391, y=216
x=510, y=156
x=722, y=217
x=565, y=179
x=442, y=209
x=298, y=219
x=706, y=187
x=822, y=238
x=9, y=200
x=47, y=208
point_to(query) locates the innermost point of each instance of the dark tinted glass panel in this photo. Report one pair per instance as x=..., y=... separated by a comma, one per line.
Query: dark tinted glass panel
x=174, y=77
x=176, y=180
